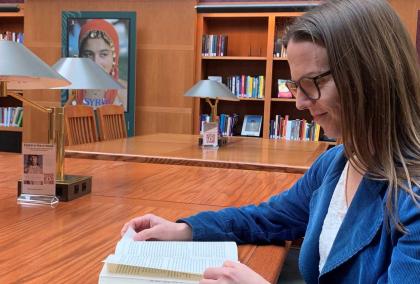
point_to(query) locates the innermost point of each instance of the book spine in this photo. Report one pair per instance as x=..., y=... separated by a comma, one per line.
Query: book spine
x=225, y=45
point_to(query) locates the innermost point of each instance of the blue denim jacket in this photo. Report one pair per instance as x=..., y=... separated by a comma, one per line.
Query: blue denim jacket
x=366, y=250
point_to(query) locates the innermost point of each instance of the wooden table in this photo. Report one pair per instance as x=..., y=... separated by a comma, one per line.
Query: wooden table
x=66, y=244
x=182, y=149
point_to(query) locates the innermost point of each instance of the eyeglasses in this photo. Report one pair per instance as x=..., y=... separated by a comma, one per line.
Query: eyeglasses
x=308, y=85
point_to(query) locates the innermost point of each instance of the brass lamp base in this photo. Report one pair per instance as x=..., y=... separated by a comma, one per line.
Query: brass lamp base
x=70, y=188
x=221, y=141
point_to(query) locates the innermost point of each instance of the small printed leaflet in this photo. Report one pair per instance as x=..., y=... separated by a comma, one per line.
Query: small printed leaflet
x=38, y=177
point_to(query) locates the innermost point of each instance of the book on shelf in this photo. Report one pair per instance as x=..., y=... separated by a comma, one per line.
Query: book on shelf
x=215, y=78
x=294, y=129
x=283, y=91
x=11, y=116
x=163, y=261
x=227, y=123
x=246, y=86
x=203, y=118
x=12, y=36
x=280, y=31
x=214, y=45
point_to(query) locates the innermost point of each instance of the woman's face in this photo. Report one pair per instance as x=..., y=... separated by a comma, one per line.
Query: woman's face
x=33, y=160
x=99, y=51
x=307, y=59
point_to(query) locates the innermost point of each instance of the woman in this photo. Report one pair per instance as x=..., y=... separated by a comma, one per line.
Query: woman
x=33, y=165
x=98, y=40
x=355, y=69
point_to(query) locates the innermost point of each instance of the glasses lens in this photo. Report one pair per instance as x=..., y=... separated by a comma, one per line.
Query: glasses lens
x=292, y=87
x=309, y=87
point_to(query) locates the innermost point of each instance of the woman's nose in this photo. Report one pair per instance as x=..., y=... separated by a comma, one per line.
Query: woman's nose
x=302, y=101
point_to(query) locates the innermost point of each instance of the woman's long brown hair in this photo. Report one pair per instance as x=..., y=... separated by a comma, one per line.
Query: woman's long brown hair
x=375, y=68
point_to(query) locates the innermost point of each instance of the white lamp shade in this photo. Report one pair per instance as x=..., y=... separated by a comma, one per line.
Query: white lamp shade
x=23, y=70
x=84, y=74
x=211, y=89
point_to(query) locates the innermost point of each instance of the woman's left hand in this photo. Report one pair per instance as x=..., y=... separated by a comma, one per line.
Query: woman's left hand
x=233, y=273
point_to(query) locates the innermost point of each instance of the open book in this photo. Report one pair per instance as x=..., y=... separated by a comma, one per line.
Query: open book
x=163, y=262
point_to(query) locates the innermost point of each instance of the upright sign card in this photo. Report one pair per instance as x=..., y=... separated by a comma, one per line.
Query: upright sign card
x=38, y=176
x=210, y=134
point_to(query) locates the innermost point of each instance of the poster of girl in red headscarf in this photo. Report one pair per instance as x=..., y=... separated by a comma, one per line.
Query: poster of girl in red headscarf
x=107, y=39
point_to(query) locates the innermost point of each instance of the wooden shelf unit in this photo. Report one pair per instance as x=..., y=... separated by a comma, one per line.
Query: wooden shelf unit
x=12, y=21
x=250, y=48
x=11, y=137
x=283, y=100
x=233, y=58
x=11, y=129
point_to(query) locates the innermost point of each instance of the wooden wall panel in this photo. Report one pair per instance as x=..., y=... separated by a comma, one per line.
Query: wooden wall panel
x=160, y=105
x=164, y=55
x=407, y=10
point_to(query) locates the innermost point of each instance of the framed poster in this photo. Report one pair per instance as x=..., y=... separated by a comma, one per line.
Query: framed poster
x=251, y=125
x=109, y=39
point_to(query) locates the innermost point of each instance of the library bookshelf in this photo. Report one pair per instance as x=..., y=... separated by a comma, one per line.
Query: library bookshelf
x=250, y=51
x=11, y=137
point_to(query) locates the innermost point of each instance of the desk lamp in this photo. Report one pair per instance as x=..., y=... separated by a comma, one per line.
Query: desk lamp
x=209, y=89
x=83, y=74
x=212, y=90
x=20, y=69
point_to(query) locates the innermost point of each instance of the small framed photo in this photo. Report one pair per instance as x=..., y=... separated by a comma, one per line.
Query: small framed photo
x=251, y=125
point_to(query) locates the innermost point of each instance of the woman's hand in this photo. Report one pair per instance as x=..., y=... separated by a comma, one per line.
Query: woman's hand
x=232, y=273
x=152, y=227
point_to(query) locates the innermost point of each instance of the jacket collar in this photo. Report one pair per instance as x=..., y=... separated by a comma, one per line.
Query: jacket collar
x=309, y=256
x=363, y=220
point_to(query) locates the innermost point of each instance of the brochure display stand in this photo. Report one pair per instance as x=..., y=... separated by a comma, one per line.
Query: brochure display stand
x=38, y=177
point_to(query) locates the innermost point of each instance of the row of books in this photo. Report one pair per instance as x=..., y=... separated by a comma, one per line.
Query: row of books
x=11, y=116
x=227, y=123
x=13, y=36
x=297, y=129
x=214, y=45
x=244, y=86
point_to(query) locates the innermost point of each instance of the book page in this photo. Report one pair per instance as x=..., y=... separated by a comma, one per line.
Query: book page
x=225, y=250
x=190, y=265
x=124, y=271
x=184, y=257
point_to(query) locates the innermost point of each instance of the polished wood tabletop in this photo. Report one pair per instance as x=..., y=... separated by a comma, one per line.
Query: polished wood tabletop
x=66, y=244
x=240, y=152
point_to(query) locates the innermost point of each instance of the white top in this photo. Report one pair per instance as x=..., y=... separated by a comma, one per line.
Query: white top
x=335, y=216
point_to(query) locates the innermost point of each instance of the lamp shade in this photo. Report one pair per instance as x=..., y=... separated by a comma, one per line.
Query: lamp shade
x=23, y=70
x=211, y=89
x=84, y=74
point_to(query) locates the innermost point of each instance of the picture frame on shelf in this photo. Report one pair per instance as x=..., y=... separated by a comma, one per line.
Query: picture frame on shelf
x=252, y=125
x=109, y=39
x=283, y=91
